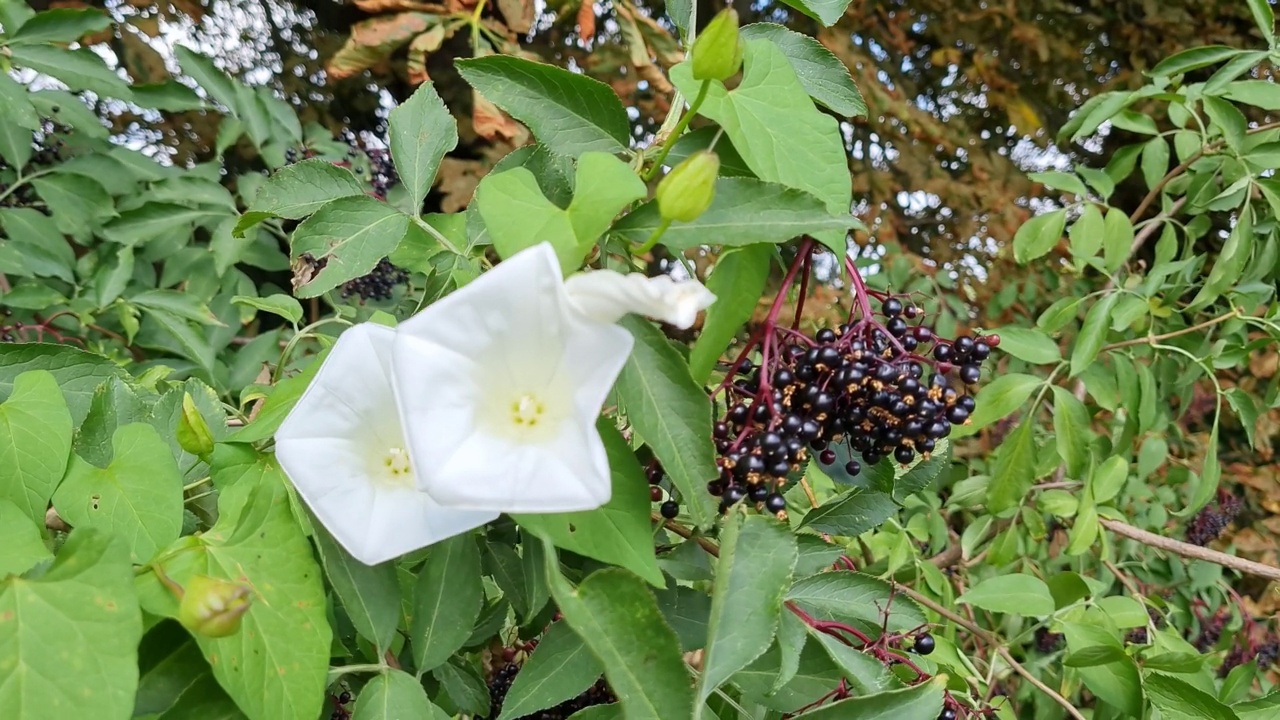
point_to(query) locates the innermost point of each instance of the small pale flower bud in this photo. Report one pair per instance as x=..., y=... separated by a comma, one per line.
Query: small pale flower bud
x=213, y=607
x=687, y=191
x=717, y=53
x=193, y=432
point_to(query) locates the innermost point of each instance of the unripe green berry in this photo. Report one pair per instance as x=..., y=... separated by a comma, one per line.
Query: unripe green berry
x=687, y=191
x=717, y=53
x=213, y=607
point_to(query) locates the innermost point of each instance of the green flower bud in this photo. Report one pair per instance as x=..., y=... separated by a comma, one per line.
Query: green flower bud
x=193, y=432
x=213, y=607
x=687, y=191
x=717, y=53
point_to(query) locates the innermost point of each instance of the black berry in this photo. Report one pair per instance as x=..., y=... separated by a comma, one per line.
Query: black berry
x=924, y=644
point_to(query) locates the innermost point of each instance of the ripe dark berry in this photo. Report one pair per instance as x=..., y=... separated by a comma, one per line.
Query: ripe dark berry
x=897, y=327
x=721, y=431
x=924, y=644
x=970, y=374
x=947, y=714
x=775, y=503
x=852, y=467
x=758, y=493
x=892, y=307
x=912, y=312
x=963, y=345
x=670, y=509
x=734, y=494
x=655, y=493
x=981, y=351
x=871, y=456
x=923, y=334
x=827, y=457
x=344, y=698
x=826, y=336
x=943, y=353
x=904, y=455
x=957, y=415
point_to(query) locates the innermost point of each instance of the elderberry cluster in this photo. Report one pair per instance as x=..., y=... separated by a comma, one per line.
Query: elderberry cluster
x=1209, y=523
x=378, y=284
x=597, y=694
x=891, y=389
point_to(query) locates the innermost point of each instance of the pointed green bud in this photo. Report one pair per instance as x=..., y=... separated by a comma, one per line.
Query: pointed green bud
x=717, y=53
x=213, y=607
x=687, y=191
x=193, y=431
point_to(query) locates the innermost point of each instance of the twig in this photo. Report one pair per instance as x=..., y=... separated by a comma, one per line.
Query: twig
x=995, y=642
x=712, y=549
x=1153, y=339
x=1195, y=552
x=1124, y=580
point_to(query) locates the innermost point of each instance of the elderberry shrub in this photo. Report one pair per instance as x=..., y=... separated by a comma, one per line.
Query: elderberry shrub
x=873, y=386
x=378, y=284
x=1209, y=523
x=597, y=694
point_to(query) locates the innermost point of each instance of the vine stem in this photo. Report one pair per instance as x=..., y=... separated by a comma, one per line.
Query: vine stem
x=1187, y=550
x=1153, y=339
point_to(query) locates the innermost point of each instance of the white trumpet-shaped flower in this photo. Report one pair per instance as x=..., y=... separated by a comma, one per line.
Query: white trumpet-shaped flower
x=606, y=296
x=500, y=383
x=345, y=451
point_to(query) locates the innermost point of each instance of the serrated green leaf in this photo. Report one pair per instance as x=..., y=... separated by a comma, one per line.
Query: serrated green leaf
x=827, y=11
x=671, y=413
x=178, y=304
x=851, y=513
x=922, y=702
x=617, y=533
x=998, y=399
x=866, y=674
x=76, y=203
x=446, y=601
x=1092, y=334
x=1071, y=429
x=395, y=695
x=616, y=616
x=1031, y=345
x=422, y=131
x=1117, y=238
x=778, y=131
x=569, y=113
x=753, y=572
x=861, y=599
x=560, y=668
x=350, y=236
x=1193, y=59
x=738, y=281
x=154, y=219
x=78, y=69
x=369, y=594
x=60, y=25
x=1086, y=235
x=1155, y=161
x=1231, y=261
x=55, y=631
x=278, y=304
x=823, y=75
x=1109, y=478
x=1179, y=700
x=1014, y=471
x=1016, y=594
x=297, y=190
x=745, y=211
x=1037, y=236
x=35, y=442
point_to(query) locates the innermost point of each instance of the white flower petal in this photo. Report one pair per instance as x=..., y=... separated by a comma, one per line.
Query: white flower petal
x=505, y=419
x=335, y=445
x=605, y=296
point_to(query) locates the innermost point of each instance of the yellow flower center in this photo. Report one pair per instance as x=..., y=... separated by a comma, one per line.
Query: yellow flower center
x=396, y=470
x=528, y=411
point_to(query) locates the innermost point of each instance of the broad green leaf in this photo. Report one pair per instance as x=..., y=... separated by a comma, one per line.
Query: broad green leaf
x=76, y=203
x=297, y=190
x=350, y=236
x=1245, y=407
x=1124, y=611
x=1071, y=429
x=278, y=304
x=1193, y=59
x=922, y=702
x=1231, y=261
x=1014, y=471
x=1263, y=708
x=1210, y=476
x=921, y=474
x=687, y=611
x=1016, y=594
x=1259, y=93
x=1265, y=17
x=813, y=677
x=604, y=186
x=154, y=219
x=616, y=616
x=164, y=330
x=560, y=668
x=395, y=695
x=1092, y=334
x=1109, y=478
x=827, y=11
x=422, y=131
x=1084, y=531
x=1037, y=236
x=20, y=538
x=446, y=601
x=176, y=303
x=138, y=497
x=777, y=129
x=170, y=95
x=17, y=107
x=851, y=513
x=672, y=414
x=69, y=638
x=176, y=682
x=115, y=404
x=823, y=75
x=1117, y=238
x=1179, y=700
x=78, y=69
x=738, y=281
x=1228, y=119
x=998, y=399
x=462, y=687
x=1064, y=181
x=77, y=373
x=1062, y=311
x=618, y=533
x=15, y=139
x=865, y=674
x=60, y=25
x=370, y=595
x=35, y=442
x=862, y=599
x=1155, y=161
x=1094, y=656
x=744, y=211
x=1027, y=344
x=569, y=113
x=212, y=80
x=43, y=250
x=275, y=666
x=753, y=572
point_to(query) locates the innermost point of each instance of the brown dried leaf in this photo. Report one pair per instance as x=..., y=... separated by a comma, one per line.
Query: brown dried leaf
x=518, y=14
x=144, y=64
x=375, y=7
x=373, y=40
x=587, y=20
x=457, y=182
x=422, y=46
x=491, y=123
